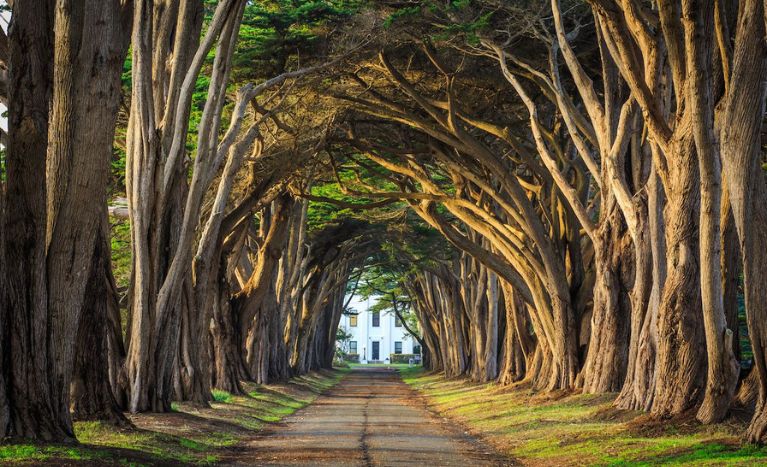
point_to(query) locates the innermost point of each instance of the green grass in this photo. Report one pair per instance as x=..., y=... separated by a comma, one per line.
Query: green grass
x=221, y=396
x=155, y=445
x=577, y=429
x=37, y=453
x=188, y=435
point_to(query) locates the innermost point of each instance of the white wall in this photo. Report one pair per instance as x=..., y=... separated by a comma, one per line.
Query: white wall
x=365, y=333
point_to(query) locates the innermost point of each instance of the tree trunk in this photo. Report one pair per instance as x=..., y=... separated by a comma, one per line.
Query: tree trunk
x=92, y=396
x=518, y=345
x=68, y=213
x=681, y=360
x=193, y=375
x=225, y=340
x=607, y=357
x=741, y=156
x=649, y=258
x=755, y=275
x=723, y=370
x=5, y=415
x=27, y=371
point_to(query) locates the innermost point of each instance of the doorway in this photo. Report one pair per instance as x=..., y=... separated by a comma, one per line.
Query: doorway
x=376, y=348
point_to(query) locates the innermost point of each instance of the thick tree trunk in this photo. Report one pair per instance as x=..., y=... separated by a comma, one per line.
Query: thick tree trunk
x=225, y=341
x=755, y=275
x=564, y=364
x=5, y=416
x=649, y=258
x=255, y=305
x=164, y=207
x=68, y=213
x=681, y=360
x=92, y=396
x=490, y=351
x=607, y=357
x=278, y=355
x=26, y=364
x=193, y=376
x=741, y=156
x=330, y=328
x=518, y=344
x=723, y=370
x=153, y=341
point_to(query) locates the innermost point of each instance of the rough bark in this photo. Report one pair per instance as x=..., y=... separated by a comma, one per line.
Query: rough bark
x=518, y=345
x=31, y=42
x=680, y=381
x=163, y=207
x=65, y=217
x=722, y=373
x=638, y=388
x=740, y=143
x=92, y=396
x=607, y=358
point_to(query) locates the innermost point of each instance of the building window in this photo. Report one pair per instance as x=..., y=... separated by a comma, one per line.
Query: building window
x=376, y=319
x=398, y=347
x=353, y=321
x=397, y=322
x=416, y=349
x=352, y=346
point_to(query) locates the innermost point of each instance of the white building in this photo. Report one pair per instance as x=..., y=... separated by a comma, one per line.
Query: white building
x=375, y=336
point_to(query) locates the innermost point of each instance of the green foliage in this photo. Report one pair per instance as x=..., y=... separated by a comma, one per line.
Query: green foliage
x=402, y=14
x=117, y=174
x=470, y=30
x=456, y=18
x=275, y=31
x=342, y=337
x=121, y=251
x=221, y=396
x=3, y=154
x=322, y=213
x=352, y=358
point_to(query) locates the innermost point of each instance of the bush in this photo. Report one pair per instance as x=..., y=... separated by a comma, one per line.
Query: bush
x=221, y=396
x=401, y=357
x=352, y=357
x=337, y=363
x=339, y=359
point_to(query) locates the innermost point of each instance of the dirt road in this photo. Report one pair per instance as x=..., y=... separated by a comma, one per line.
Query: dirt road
x=371, y=418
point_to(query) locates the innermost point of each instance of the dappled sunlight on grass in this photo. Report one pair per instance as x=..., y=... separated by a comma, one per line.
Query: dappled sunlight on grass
x=30, y=453
x=189, y=434
x=576, y=429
